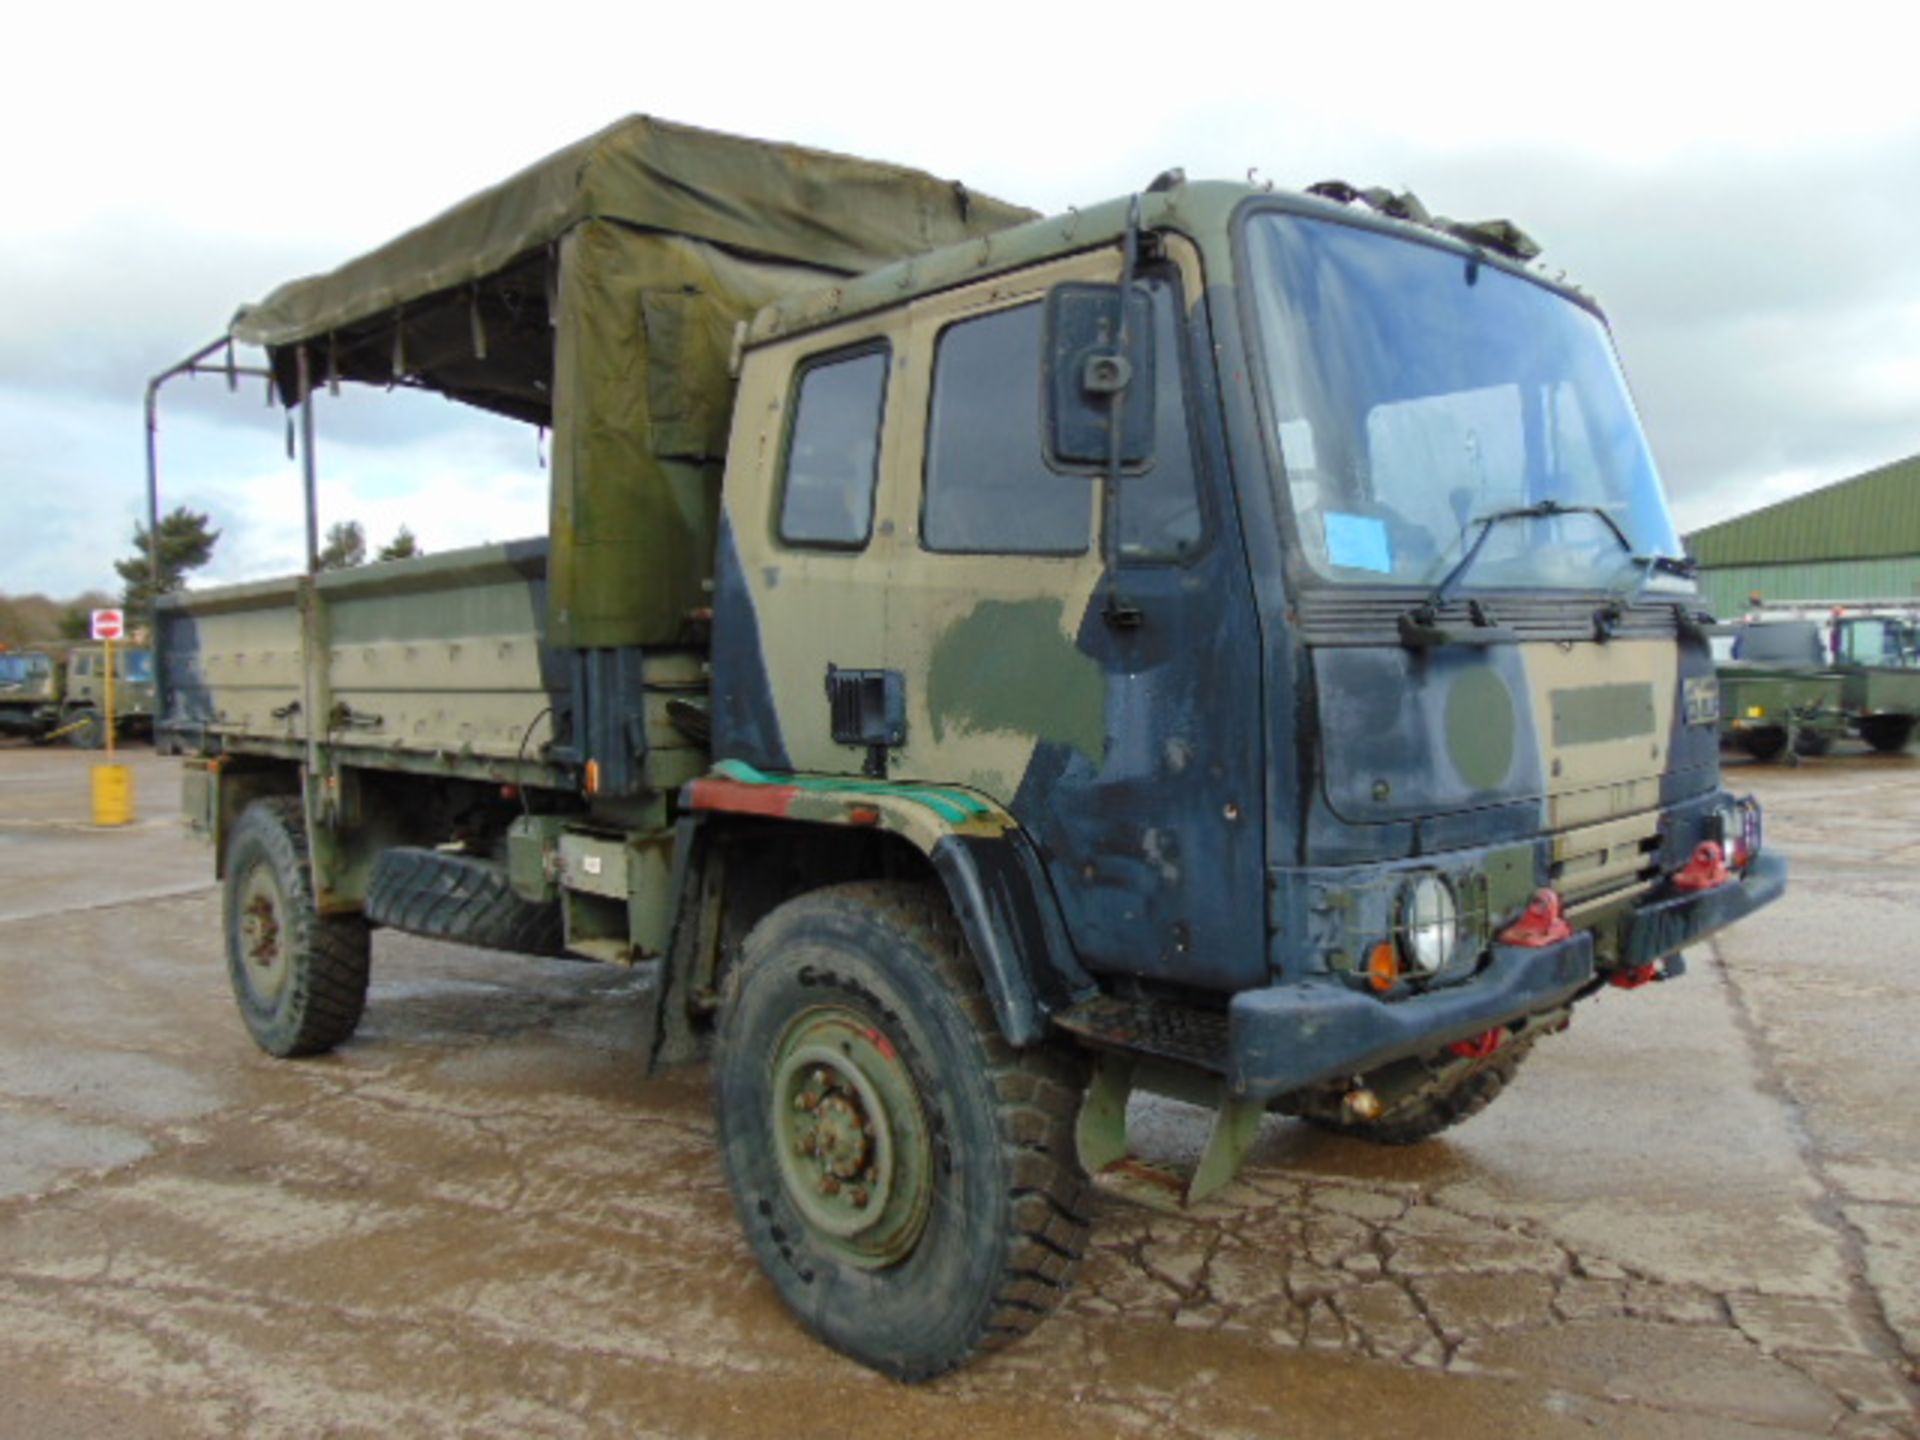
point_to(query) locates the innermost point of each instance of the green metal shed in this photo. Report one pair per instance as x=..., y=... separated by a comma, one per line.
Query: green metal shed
x=1854, y=541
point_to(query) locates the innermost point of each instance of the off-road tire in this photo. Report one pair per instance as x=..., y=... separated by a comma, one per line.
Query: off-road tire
x=459, y=897
x=1005, y=1220
x=92, y=731
x=1765, y=744
x=1889, y=734
x=1439, y=1106
x=299, y=977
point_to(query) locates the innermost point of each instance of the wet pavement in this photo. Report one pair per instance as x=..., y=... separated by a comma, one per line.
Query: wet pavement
x=1695, y=1214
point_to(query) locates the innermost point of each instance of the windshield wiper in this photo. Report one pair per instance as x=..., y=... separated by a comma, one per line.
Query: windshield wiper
x=1420, y=625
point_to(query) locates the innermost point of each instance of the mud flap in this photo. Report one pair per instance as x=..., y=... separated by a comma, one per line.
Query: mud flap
x=1100, y=1134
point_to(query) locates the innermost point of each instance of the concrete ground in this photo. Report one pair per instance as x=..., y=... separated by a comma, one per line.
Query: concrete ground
x=1697, y=1214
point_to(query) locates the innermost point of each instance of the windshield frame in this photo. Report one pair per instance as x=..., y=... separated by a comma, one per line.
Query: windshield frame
x=1302, y=576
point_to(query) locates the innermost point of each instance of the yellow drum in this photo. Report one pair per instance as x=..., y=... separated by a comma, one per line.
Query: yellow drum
x=112, y=794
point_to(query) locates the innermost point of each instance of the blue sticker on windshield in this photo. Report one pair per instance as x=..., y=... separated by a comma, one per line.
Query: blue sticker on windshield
x=1358, y=542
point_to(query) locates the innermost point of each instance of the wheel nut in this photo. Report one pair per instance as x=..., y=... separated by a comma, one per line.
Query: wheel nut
x=829, y=1185
x=808, y=1144
x=859, y=1197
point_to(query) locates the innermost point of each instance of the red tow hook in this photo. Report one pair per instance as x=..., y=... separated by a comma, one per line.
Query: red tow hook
x=1541, y=923
x=1707, y=868
x=1481, y=1046
x=1634, y=976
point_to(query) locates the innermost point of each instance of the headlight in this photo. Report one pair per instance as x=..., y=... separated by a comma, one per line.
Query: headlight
x=1429, y=924
x=1740, y=831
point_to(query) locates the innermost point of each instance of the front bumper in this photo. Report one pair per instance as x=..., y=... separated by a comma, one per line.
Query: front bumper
x=1288, y=1037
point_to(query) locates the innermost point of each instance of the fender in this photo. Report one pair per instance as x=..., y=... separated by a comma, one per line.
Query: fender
x=994, y=879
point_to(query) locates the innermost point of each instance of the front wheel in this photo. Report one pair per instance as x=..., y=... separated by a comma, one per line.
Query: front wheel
x=1888, y=734
x=1766, y=743
x=299, y=977
x=89, y=732
x=906, y=1178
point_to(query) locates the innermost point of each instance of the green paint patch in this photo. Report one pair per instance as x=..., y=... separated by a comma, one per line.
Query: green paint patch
x=1009, y=668
x=1480, y=727
x=1593, y=714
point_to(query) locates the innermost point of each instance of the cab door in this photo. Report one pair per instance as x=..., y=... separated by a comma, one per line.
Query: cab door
x=802, y=576
x=1115, y=715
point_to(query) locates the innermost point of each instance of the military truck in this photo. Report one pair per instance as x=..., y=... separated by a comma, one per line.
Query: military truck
x=1222, y=642
x=1779, y=696
x=83, y=705
x=1880, y=661
x=29, y=694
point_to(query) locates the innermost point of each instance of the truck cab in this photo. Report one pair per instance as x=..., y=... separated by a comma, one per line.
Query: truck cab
x=1382, y=632
x=84, y=707
x=29, y=694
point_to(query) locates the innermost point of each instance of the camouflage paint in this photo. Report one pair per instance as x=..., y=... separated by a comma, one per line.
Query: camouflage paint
x=1480, y=728
x=1009, y=668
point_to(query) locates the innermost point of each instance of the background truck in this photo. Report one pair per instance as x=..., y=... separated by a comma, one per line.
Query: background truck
x=1878, y=656
x=1806, y=674
x=29, y=694
x=1779, y=693
x=1223, y=642
x=83, y=705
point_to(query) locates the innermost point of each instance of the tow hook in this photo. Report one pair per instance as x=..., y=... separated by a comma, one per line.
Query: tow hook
x=1480, y=1046
x=1707, y=869
x=1541, y=924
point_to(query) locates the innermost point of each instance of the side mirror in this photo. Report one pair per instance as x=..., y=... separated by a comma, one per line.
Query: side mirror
x=1090, y=374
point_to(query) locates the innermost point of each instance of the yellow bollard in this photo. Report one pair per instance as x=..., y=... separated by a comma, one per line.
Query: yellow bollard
x=112, y=794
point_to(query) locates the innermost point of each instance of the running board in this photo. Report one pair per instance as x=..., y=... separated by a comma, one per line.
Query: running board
x=1101, y=1134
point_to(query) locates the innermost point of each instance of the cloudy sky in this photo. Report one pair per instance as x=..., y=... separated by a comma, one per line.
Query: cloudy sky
x=1738, y=185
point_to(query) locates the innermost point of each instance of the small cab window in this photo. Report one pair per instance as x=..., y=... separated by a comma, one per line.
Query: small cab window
x=833, y=450
x=989, y=488
x=988, y=485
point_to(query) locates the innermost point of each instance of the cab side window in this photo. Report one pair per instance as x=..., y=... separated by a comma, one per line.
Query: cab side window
x=833, y=450
x=988, y=486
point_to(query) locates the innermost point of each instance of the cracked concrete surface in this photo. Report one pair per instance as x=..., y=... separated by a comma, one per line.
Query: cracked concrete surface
x=1696, y=1214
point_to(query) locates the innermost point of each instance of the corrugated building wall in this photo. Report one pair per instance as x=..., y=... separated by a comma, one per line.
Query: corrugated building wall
x=1858, y=539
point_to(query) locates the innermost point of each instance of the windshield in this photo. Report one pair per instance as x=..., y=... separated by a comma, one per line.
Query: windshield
x=139, y=665
x=1781, y=642
x=1872, y=641
x=22, y=669
x=1417, y=392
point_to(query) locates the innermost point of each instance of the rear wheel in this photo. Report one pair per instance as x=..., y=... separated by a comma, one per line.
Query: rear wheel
x=1769, y=743
x=1888, y=734
x=906, y=1178
x=299, y=977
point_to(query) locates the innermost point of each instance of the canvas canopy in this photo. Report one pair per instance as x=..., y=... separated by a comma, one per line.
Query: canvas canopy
x=596, y=292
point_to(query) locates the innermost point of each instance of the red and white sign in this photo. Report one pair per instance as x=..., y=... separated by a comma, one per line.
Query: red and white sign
x=109, y=625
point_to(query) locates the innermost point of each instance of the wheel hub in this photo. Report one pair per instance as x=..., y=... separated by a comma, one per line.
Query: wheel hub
x=262, y=936
x=851, y=1136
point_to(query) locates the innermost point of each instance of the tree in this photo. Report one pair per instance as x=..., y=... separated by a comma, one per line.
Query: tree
x=402, y=547
x=185, y=543
x=346, y=546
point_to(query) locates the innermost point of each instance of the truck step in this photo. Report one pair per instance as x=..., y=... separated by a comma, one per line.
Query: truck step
x=1178, y=1033
x=1100, y=1135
